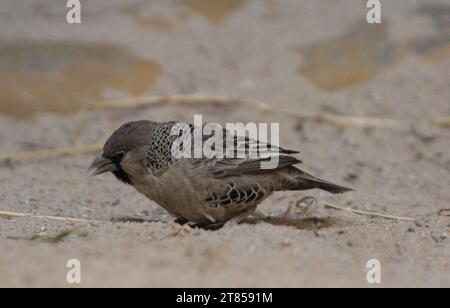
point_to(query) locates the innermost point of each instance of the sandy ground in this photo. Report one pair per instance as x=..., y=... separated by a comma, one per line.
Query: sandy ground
x=308, y=56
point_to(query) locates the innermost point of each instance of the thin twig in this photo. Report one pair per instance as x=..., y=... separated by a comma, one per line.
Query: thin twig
x=211, y=100
x=71, y=151
x=387, y=216
x=67, y=219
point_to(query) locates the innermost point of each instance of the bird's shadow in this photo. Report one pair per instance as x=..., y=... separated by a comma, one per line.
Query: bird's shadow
x=299, y=222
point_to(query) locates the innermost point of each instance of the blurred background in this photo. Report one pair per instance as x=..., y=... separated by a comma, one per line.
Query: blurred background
x=299, y=54
x=303, y=57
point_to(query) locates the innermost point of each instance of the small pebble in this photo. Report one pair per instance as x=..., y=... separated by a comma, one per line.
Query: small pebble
x=419, y=223
x=285, y=243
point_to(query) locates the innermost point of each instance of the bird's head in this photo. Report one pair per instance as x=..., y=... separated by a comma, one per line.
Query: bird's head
x=122, y=150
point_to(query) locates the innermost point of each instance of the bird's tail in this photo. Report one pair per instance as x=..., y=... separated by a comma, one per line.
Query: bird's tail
x=328, y=186
x=296, y=179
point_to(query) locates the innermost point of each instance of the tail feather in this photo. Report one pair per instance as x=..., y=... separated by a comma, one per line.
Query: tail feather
x=330, y=187
x=296, y=179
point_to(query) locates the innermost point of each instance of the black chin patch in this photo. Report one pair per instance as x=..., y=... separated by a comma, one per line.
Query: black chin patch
x=122, y=176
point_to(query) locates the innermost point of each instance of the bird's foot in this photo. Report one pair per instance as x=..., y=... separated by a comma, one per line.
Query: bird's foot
x=208, y=226
x=261, y=215
x=257, y=216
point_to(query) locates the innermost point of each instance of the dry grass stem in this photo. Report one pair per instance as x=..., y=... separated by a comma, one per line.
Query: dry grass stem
x=52, y=153
x=387, y=216
x=336, y=120
x=65, y=219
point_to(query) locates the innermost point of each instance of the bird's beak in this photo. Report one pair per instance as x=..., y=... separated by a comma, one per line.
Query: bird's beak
x=101, y=165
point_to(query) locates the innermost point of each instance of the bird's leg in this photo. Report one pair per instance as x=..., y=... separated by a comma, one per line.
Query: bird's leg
x=261, y=215
x=301, y=219
x=258, y=216
x=244, y=216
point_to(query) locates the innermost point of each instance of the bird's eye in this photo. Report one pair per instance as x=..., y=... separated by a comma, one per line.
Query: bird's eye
x=119, y=156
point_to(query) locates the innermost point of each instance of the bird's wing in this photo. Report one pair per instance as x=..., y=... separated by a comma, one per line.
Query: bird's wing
x=236, y=167
x=228, y=167
x=237, y=196
x=244, y=144
x=243, y=155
